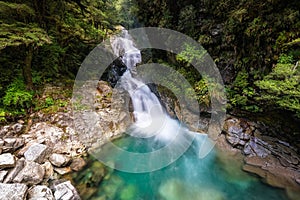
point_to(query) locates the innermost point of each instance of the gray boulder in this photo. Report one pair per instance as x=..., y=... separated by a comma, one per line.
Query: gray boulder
x=40, y=192
x=36, y=152
x=31, y=174
x=11, y=144
x=13, y=173
x=59, y=160
x=7, y=160
x=14, y=191
x=65, y=191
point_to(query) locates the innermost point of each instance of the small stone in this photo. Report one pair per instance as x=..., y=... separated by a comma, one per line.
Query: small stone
x=65, y=191
x=49, y=171
x=59, y=160
x=2, y=175
x=258, y=149
x=244, y=136
x=17, y=127
x=237, y=130
x=7, y=160
x=242, y=142
x=62, y=170
x=293, y=160
x=13, y=173
x=20, y=121
x=14, y=191
x=31, y=174
x=36, y=152
x=19, y=143
x=12, y=144
x=298, y=180
x=9, y=141
x=8, y=144
x=78, y=164
x=247, y=150
x=4, y=130
x=40, y=192
x=232, y=139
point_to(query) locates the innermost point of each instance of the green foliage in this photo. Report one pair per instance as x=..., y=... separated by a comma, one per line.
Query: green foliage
x=48, y=62
x=19, y=34
x=190, y=54
x=285, y=59
x=46, y=41
x=241, y=93
x=16, y=11
x=202, y=93
x=244, y=43
x=17, y=99
x=2, y=115
x=281, y=87
x=49, y=101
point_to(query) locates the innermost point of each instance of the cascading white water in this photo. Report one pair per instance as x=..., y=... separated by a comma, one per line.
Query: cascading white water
x=150, y=118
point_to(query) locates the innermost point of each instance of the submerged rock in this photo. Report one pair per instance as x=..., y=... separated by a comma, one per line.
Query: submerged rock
x=128, y=193
x=14, y=191
x=174, y=189
x=78, y=164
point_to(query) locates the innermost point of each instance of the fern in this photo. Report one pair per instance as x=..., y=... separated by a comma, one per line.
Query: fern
x=17, y=99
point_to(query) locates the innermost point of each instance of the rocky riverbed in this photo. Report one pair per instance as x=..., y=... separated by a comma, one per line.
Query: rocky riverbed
x=36, y=156
x=274, y=160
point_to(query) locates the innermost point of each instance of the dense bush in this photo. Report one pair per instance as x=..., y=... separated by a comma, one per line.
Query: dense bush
x=17, y=100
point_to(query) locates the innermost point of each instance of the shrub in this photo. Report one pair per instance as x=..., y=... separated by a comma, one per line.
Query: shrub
x=17, y=100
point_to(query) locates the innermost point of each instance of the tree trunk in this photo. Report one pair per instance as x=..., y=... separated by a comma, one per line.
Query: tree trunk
x=27, y=69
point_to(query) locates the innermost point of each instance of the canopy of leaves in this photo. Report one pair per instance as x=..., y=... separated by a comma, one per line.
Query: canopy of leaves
x=22, y=34
x=282, y=87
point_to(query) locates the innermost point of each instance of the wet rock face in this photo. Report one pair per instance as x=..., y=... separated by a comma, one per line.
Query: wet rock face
x=114, y=71
x=276, y=161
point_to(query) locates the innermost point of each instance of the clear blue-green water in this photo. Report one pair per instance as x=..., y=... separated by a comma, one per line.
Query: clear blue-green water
x=188, y=178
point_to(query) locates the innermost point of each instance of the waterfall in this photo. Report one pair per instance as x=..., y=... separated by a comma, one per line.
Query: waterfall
x=150, y=117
